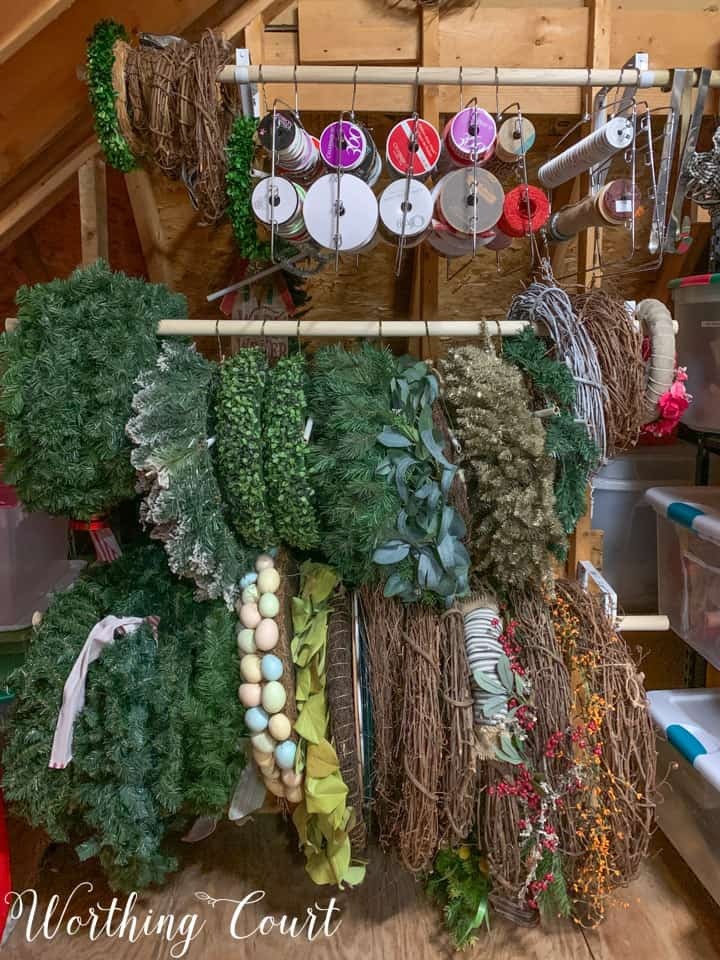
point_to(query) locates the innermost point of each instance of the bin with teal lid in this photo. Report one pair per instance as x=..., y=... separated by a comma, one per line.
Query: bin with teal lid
x=697, y=311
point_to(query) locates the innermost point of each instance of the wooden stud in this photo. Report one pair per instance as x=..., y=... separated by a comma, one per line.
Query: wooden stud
x=92, y=188
x=149, y=226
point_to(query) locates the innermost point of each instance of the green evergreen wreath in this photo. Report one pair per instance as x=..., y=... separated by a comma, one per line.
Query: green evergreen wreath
x=240, y=434
x=566, y=439
x=183, y=503
x=67, y=384
x=100, y=59
x=158, y=739
x=288, y=486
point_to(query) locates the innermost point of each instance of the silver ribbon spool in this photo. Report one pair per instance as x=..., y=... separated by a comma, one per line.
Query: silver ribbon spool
x=398, y=218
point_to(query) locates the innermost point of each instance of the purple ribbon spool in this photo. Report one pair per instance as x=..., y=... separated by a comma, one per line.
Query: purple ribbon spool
x=353, y=145
x=472, y=130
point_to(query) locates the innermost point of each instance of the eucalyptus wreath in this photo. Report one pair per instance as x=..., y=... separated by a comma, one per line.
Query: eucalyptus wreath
x=567, y=440
x=289, y=489
x=68, y=374
x=100, y=59
x=240, y=447
x=183, y=503
x=381, y=476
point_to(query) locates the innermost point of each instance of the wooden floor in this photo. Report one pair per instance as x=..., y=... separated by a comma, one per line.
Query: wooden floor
x=667, y=915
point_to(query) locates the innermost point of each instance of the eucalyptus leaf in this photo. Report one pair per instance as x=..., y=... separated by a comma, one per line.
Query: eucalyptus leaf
x=391, y=438
x=488, y=683
x=395, y=585
x=505, y=673
x=493, y=706
x=394, y=551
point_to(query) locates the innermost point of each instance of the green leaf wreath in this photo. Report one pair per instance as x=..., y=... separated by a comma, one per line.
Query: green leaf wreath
x=289, y=489
x=240, y=151
x=381, y=475
x=158, y=738
x=183, y=503
x=240, y=445
x=100, y=59
x=67, y=384
x=566, y=439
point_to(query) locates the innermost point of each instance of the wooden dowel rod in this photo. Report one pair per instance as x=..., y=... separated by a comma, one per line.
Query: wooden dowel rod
x=329, y=328
x=451, y=76
x=649, y=622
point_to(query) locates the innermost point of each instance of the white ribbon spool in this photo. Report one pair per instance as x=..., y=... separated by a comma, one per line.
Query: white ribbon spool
x=355, y=226
x=617, y=134
x=417, y=214
x=275, y=200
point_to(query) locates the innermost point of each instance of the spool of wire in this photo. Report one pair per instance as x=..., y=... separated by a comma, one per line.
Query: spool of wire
x=412, y=144
x=341, y=213
x=616, y=135
x=618, y=201
x=525, y=210
x=278, y=204
x=515, y=137
x=614, y=206
x=409, y=218
x=468, y=203
x=348, y=145
x=468, y=137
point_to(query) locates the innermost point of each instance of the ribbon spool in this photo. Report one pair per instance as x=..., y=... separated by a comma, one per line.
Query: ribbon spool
x=356, y=221
x=450, y=244
x=424, y=155
x=468, y=136
x=525, y=210
x=467, y=205
x=417, y=214
x=349, y=146
x=515, y=137
x=500, y=241
x=296, y=152
x=617, y=134
x=277, y=201
x=614, y=206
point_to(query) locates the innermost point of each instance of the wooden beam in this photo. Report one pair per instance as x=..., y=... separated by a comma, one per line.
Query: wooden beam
x=248, y=11
x=149, y=226
x=20, y=22
x=20, y=215
x=92, y=187
x=28, y=258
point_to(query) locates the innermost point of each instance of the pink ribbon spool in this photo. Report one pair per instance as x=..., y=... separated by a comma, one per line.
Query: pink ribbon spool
x=423, y=158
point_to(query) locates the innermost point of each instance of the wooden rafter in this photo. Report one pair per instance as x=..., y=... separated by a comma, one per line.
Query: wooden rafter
x=20, y=22
x=149, y=227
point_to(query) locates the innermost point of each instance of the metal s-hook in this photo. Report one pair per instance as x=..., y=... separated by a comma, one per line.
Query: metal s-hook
x=498, y=113
x=354, y=92
x=297, y=335
x=460, y=81
x=416, y=90
x=297, y=93
x=221, y=354
x=261, y=82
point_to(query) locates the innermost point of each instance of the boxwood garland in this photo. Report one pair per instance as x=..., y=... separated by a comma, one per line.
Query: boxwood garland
x=239, y=428
x=240, y=151
x=100, y=59
x=67, y=385
x=183, y=503
x=289, y=489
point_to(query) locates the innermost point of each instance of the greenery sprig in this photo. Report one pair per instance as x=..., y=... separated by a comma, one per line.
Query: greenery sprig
x=288, y=487
x=241, y=439
x=183, y=503
x=67, y=385
x=459, y=882
x=100, y=59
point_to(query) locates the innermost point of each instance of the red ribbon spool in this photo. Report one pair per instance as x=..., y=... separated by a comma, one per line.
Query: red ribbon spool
x=525, y=210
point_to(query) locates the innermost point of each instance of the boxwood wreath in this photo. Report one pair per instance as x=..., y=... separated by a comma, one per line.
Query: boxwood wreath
x=382, y=478
x=240, y=447
x=68, y=375
x=289, y=490
x=183, y=504
x=158, y=739
x=509, y=474
x=567, y=440
x=100, y=59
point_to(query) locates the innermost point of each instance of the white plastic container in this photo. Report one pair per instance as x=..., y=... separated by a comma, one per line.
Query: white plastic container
x=628, y=520
x=697, y=311
x=33, y=560
x=688, y=521
x=688, y=742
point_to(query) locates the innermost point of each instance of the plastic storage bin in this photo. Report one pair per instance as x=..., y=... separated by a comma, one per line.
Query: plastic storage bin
x=621, y=510
x=688, y=520
x=697, y=311
x=688, y=724
x=33, y=560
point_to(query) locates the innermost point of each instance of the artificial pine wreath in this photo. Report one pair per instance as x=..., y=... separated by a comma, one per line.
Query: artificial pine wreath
x=288, y=487
x=240, y=446
x=382, y=478
x=67, y=385
x=183, y=503
x=566, y=439
x=100, y=60
x=158, y=737
x=509, y=474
